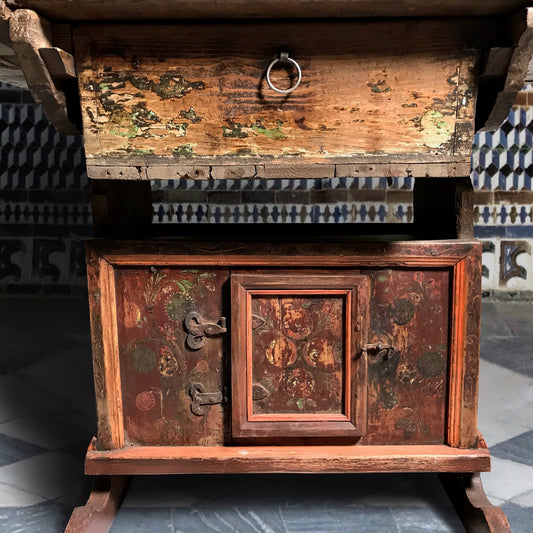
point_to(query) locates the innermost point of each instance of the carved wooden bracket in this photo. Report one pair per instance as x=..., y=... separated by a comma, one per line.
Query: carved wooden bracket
x=516, y=72
x=30, y=35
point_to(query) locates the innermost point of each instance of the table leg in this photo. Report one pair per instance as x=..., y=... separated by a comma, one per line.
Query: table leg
x=477, y=514
x=97, y=515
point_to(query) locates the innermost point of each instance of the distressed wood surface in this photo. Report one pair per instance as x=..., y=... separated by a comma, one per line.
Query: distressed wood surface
x=296, y=342
x=476, y=512
x=179, y=9
x=284, y=459
x=515, y=73
x=98, y=514
x=143, y=371
x=107, y=384
x=362, y=98
x=29, y=33
x=312, y=254
x=157, y=366
x=408, y=387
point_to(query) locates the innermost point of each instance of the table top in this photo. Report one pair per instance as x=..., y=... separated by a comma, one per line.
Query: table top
x=180, y=9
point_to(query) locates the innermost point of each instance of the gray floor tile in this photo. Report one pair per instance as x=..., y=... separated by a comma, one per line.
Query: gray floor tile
x=35, y=328
x=223, y=518
x=520, y=518
x=518, y=316
x=338, y=520
x=519, y=449
x=492, y=324
x=505, y=403
x=424, y=520
x=512, y=353
x=18, y=399
x=12, y=450
x=49, y=475
x=142, y=521
x=49, y=431
x=48, y=517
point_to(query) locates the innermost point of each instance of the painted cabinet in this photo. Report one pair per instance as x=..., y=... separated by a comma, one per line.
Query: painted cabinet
x=207, y=351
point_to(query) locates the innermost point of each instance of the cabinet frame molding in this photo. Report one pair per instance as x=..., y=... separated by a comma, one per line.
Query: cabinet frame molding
x=461, y=258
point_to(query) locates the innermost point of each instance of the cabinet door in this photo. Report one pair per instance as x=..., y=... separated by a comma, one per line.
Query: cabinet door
x=171, y=376
x=296, y=342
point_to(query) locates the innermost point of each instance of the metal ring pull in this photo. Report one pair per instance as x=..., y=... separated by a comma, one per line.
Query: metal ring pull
x=284, y=58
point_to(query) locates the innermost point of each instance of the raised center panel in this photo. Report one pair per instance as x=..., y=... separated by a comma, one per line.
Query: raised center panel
x=296, y=345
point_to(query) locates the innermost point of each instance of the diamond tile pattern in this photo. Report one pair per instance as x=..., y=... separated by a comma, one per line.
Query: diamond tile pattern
x=40, y=484
x=44, y=198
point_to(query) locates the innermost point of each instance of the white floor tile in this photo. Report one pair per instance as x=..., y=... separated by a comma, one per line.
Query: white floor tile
x=13, y=497
x=525, y=500
x=507, y=479
x=18, y=399
x=505, y=403
x=49, y=431
x=49, y=475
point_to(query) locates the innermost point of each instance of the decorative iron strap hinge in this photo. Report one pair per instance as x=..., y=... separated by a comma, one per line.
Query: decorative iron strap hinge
x=201, y=400
x=198, y=329
x=377, y=352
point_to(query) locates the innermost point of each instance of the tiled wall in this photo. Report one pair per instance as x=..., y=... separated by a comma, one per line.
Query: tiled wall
x=45, y=211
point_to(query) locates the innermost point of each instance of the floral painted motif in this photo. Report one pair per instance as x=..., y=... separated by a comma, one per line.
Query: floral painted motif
x=409, y=310
x=298, y=354
x=156, y=365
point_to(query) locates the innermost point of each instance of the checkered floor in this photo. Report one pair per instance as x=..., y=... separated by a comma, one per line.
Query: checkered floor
x=47, y=419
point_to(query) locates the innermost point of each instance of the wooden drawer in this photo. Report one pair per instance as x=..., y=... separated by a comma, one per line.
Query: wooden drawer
x=212, y=345
x=171, y=100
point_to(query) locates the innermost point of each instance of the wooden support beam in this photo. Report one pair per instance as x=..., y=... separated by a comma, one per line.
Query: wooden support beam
x=166, y=9
x=476, y=512
x=60, y=64
x=121, y=208
x=30, y=33
x=444, y=208
x=97, y=515
x=491, y=113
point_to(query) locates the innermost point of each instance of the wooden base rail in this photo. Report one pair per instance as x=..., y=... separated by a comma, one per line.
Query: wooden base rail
x=279, y=459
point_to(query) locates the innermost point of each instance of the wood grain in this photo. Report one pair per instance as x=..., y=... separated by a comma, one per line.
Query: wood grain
x=339, y=401
x=412, y=94
x=98, y=514
x=180, y=9
x=284, y=459
x=472, y=505
x=29, y=33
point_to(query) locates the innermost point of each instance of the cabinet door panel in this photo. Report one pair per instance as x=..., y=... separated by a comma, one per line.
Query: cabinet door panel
x=295, y=356
x=158, y=367
x=407, y=389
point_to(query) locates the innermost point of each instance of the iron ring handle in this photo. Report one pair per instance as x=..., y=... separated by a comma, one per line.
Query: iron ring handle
x=284, y=58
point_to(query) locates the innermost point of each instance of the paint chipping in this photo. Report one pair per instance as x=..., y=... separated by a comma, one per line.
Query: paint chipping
x=271, y=133
x=186, y=150
x=379, y=87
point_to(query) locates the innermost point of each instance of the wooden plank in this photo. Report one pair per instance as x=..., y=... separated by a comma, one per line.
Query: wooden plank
x=98, y=514
x=29, y=33
x=472, y=505
x=318, y=254
x=337, y=410
x=410, y=95
x=179, y=9
x=366, y=166
x=283, y=459
x=60, y=64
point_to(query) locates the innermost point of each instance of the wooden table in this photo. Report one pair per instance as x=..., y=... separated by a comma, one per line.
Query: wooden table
x=295, y=353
